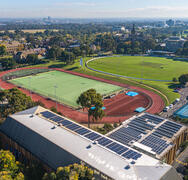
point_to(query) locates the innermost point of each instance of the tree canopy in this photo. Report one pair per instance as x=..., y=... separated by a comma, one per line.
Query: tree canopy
x=75, y=171
x=13, y=100
x=9, y=167
x=91, y=98
x=183, y=79
x=2, y=50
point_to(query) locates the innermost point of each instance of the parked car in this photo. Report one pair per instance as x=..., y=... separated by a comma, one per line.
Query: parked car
x=171, y=106
x=176, y=90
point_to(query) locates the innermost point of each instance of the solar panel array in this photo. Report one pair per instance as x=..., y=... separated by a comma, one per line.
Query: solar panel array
x=158, y=145
x=144, y=124
x=133, y=131
x=167, y=129
x=103, y=141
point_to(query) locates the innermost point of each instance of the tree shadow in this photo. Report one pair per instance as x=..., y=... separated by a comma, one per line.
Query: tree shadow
x=174, y=85
x=57, y=66
x=73, y=68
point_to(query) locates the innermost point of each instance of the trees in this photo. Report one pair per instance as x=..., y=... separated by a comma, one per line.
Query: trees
x=2, y=50
x=89, y=99
x=54, y=52
x=14, y=101
x=32, y=59
x=68, y=57
x=75, y=171
x=8, y=63
x=183, y=79
x=9, y=167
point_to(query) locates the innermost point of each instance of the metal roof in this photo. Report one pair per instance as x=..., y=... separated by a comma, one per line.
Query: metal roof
x=53, y=144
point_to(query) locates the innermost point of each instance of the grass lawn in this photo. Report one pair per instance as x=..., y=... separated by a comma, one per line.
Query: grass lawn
x=142, y=67
x=163, y=87
x=145, y=67
x=68, y=87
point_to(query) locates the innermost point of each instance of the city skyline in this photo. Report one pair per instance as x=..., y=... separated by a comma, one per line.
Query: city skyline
x=94, y=8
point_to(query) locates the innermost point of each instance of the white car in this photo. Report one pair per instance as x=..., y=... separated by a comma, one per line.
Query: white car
x=171, y=105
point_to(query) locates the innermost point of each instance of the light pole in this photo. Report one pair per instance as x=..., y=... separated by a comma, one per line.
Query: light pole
x=55, y=94
x=30, y=86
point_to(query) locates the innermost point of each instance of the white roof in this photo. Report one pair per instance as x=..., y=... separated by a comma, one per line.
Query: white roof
x=98, y=157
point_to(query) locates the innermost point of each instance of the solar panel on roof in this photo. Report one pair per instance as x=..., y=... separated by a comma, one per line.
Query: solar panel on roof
x=126, y=154
x=56, y=119
x=92, y=136
x=104, y=141
x=66, y=123
x=158, y=145
x=47, y=114
x=82, y=131
x=117, y=148
x=73, y=126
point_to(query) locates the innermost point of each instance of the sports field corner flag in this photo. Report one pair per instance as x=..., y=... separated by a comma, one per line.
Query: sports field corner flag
x=81, y=62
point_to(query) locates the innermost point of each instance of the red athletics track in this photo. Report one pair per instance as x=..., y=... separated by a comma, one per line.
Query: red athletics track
x=156, y=103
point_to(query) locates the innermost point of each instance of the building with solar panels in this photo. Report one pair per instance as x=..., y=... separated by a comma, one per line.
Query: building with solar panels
x=153, y=135
x=39, y=134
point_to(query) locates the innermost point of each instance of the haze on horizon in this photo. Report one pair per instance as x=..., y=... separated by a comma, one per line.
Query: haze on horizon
x=94, y=8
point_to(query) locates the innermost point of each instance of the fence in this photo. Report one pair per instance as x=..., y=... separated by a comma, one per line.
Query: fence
x=22, y=73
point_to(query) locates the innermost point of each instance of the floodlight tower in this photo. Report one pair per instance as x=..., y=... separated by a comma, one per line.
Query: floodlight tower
x=30, y=86
x=55, y=87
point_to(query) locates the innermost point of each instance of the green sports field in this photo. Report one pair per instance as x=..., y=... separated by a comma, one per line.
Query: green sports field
x=145, y=67
x=68, y=87
x=142, y=67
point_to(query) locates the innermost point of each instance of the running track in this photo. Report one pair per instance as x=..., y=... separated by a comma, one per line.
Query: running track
x=156, y=106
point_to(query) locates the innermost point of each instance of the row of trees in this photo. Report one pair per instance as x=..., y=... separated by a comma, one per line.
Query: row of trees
x=13, y=100
x=10, y=169
x=68, y=55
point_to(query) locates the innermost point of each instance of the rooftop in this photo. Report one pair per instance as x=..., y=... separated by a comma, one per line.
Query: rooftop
x=47, y=135
x=150, y=133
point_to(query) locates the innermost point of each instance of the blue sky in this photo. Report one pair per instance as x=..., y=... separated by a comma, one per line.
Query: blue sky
x=94, y=8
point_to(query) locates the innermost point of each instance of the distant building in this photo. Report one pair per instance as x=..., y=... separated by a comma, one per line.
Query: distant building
x=173, y=43
x=170, y=22
x=22, y=55
x=119, y=29
x=41, y=135
x=14, y=46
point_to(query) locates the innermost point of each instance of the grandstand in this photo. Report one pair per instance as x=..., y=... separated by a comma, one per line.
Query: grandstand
x=154, y=135
x=39, y=134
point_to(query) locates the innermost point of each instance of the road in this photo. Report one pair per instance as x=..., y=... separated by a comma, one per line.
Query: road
x=184, y=93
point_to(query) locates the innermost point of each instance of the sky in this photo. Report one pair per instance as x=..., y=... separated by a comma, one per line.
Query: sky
x=93, y=8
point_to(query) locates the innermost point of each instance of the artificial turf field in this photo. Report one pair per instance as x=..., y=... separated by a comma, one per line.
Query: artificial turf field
x=142, y=67
x=68, y=86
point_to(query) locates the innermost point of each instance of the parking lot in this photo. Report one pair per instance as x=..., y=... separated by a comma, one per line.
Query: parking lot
x=183, y=100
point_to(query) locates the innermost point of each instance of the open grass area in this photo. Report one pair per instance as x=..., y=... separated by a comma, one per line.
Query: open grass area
x=145, y=67
x=141, y=67
x=63, y=87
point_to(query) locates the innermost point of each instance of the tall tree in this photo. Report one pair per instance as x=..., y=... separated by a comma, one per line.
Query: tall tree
x=9, y=167
x=54, y=52
x=14, y=101
x=92, y=102
x=2, y=50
